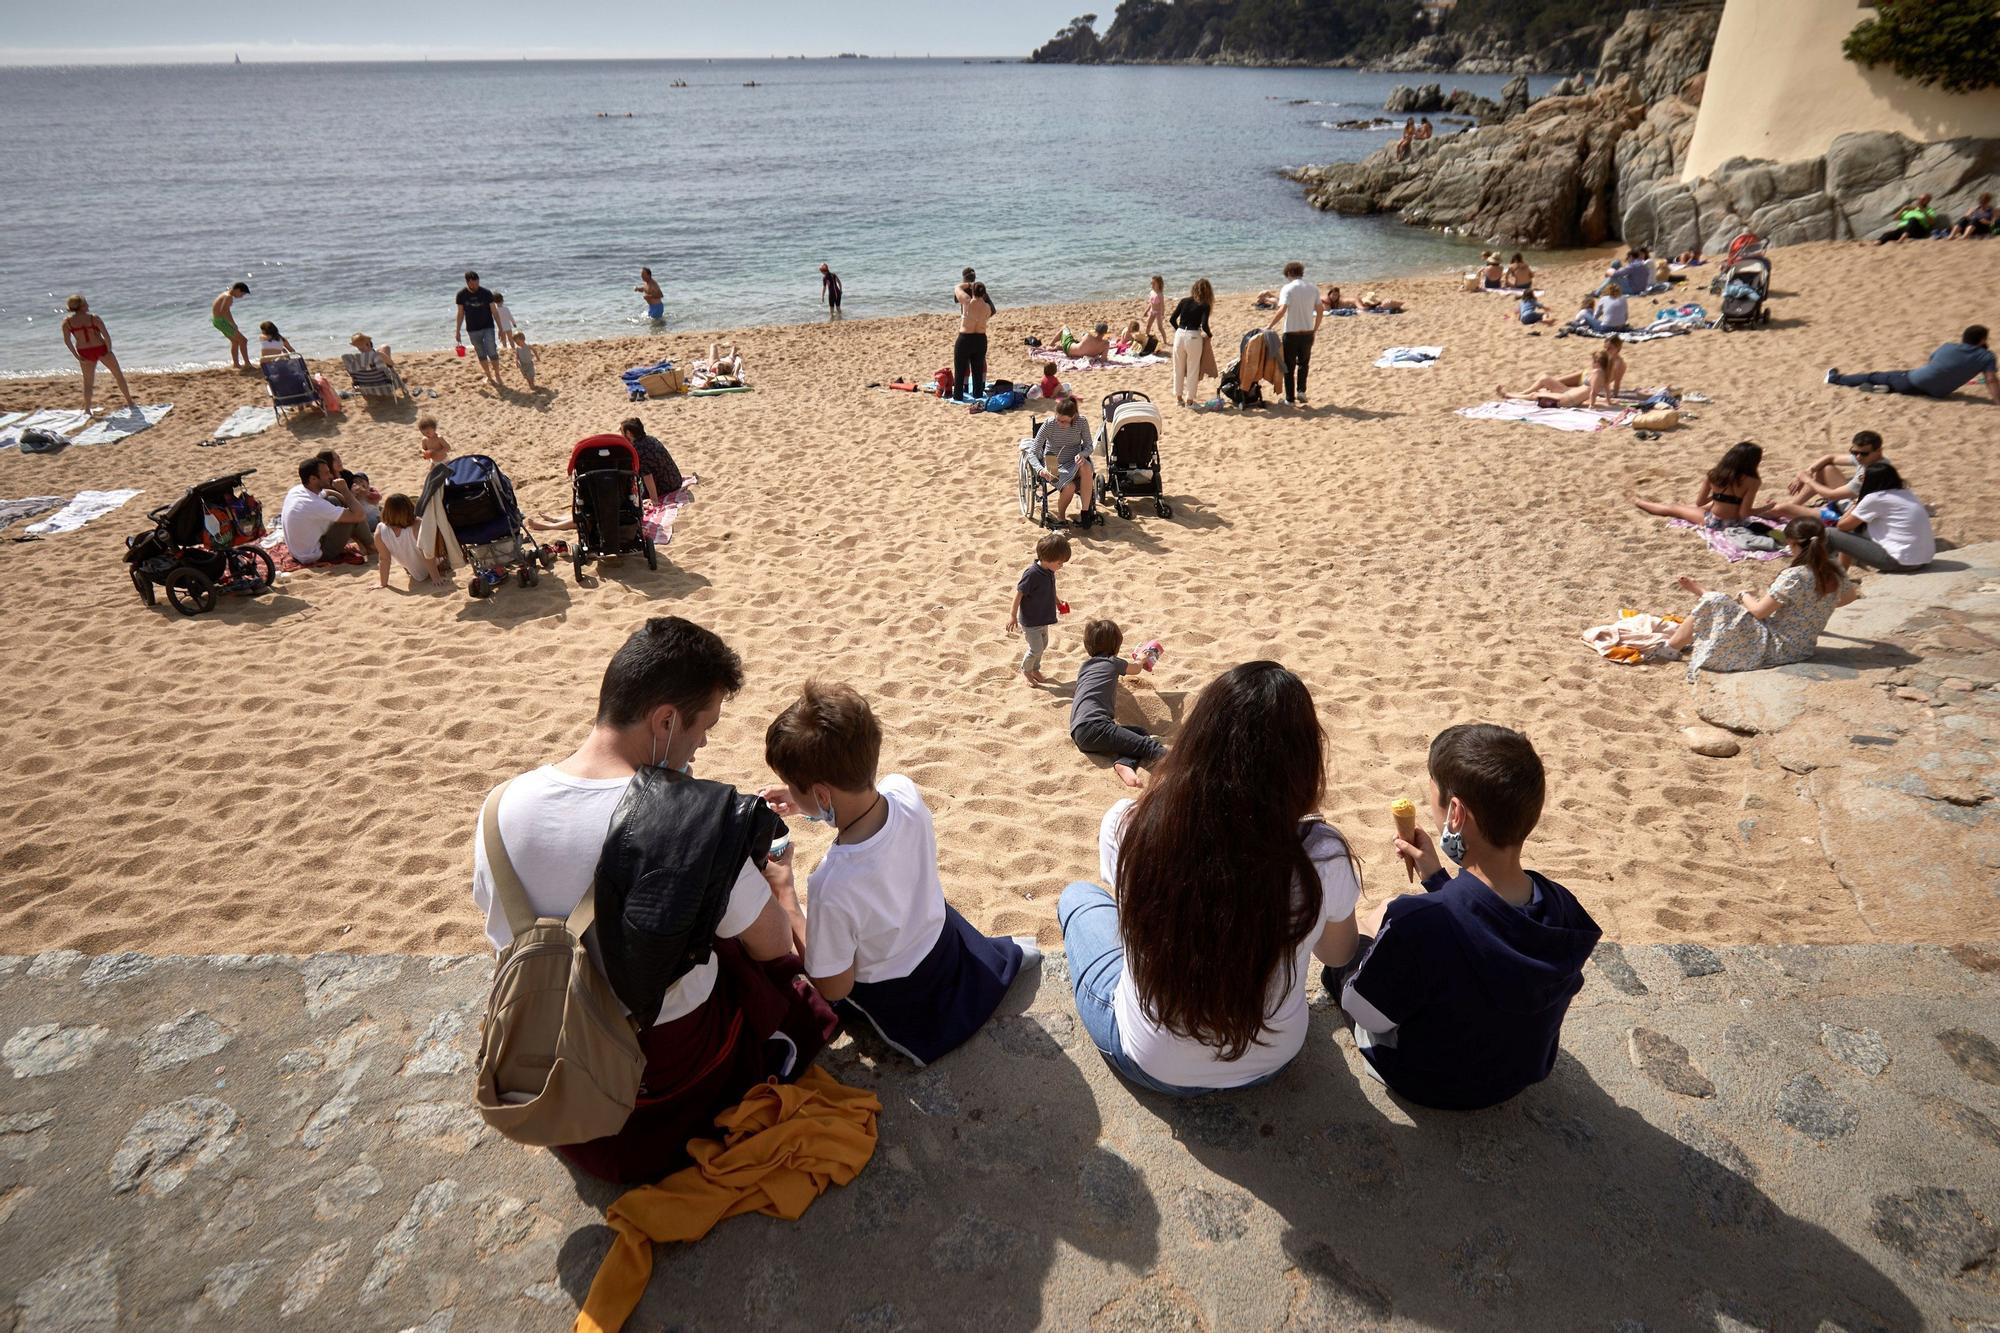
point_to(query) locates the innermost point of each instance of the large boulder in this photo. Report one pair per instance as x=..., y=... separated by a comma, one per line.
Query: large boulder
x=1439, y=51
x=1658, y=51
x=1513, y=97
x=1076, y=44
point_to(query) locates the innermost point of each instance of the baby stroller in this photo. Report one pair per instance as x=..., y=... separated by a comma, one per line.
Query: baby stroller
x=606, y=502
x=1129, y=437
x=203, y=541
x=479, y=506
x=1035, y=491
x=1746, y=285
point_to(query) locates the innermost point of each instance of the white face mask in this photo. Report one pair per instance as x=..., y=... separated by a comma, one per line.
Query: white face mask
x=655, y=760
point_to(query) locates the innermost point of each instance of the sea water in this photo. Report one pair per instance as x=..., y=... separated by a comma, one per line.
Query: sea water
x=350, y=197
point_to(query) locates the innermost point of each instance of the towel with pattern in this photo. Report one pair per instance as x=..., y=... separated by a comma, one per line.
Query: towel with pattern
x=56, y=420
x=1728, y=543
x=1409, y=356
x=1645, y=335
x=13, y=511
x=658, y=520
x=1066, y=364
x=1558, y=418
x=1627, y=639
x=126, y=421
x=86, y=506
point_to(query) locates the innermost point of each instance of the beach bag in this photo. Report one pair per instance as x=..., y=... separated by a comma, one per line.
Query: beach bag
x=35, y=441
x=559, y=1062
x=1659, y=418
x=329, y=397
x=663, y=383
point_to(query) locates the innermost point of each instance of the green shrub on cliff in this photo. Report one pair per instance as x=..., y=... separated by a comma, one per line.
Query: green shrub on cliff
x=1954, y=44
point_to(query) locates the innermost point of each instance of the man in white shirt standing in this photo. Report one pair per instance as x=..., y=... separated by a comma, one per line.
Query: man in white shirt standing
x=318, y=522
x=1300, y=309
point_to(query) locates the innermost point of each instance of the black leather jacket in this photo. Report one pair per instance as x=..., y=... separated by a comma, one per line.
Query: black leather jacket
x=674, y=849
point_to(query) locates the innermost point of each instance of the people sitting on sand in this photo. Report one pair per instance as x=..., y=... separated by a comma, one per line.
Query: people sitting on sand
x=1605, y=311
x=1584, y=388
x=659, y=475
x=1062, y=455
x=706, y=1032
x=1635, y=276
x=1093, y=722
x=1518, y=274
x=1333, y=302
x=1048, y=388
x=1493, y=277
x=348, y=484
x=1820, y=491
x=1887, y=527
x=319, y=520
x=396, y=539
x=1529, y=310
x=1751, y=631
x=882, y=944
x=1951, y=366
x=1915, y=221
x=1371, y=300
x=1220, y=884
x=1728, y=493
x=1979, y=221
x=274, y=346
x=90, y=343
x=1091, y=346
x=371, y=355
x=1266, y=299
x=1459, y=999
x=1687, y=257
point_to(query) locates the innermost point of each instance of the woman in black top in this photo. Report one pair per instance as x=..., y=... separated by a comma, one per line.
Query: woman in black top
x=1190, y=321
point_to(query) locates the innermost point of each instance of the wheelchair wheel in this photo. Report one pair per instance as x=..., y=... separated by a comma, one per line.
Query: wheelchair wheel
x=652, y=554
x=190, y=592
x=252, y=569
x=145, y=587
x=1027, y=490
x=1163, y=509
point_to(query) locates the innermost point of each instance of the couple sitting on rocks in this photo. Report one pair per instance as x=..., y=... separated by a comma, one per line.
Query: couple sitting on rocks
x=1190, y=979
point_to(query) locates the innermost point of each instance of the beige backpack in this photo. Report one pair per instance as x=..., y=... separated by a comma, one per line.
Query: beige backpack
x=559, y=1062
x=1658, y=418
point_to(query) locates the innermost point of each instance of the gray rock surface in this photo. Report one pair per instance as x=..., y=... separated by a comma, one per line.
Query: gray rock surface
x=1020, y=1179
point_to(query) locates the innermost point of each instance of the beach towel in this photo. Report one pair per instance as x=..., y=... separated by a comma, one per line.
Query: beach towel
x=1066, y=364
x=630, y=379
x=1644, y=335
x=657, y=520
x=244, y=422
x=9, y=418
x=56, y=420
x=86, y=506
x=282, y=557
x=715, y=393
x=13, y=511
x=1408, y=356
x=1679, y=314
x=1559, y=418
x=783, y=1146
x=1627, y=639
x=125, y=422
x=1727, y=542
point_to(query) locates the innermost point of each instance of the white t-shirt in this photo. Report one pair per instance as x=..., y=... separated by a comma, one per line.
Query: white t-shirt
x=1899, y=523
x=1189, y=1064
x=305, y=518
x=877, y=905
x=409, y=552
x=503, y=322
x=554, y=827
x=1300, y=300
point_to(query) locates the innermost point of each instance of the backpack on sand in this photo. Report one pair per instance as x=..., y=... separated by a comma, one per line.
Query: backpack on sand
x=559, y=1062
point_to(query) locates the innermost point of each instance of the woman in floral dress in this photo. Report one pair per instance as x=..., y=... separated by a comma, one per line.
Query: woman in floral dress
x=1745, y=633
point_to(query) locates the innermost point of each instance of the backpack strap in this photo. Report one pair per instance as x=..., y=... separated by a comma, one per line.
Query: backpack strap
x=507, y=885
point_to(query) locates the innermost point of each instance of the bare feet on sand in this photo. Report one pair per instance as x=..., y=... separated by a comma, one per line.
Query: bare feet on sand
x=1128, y=775
x=1034, y=678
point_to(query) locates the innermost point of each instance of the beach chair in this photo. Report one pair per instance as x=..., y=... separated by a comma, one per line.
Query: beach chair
x=372, y=379
x=291, y=385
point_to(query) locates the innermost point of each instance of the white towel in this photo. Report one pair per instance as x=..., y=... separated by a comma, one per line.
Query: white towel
x=245, y=421
x=126, y=421
x=59, y=420
x=1396, y=357
x=86, y=506
x=1561, y=418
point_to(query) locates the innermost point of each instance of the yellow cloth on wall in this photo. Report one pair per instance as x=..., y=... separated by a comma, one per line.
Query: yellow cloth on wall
x=782, y=1146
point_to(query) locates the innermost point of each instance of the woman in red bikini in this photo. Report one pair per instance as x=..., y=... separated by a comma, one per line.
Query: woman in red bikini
x=90, y=342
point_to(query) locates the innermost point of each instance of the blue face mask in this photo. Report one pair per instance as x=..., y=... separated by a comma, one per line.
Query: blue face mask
x=824, y=815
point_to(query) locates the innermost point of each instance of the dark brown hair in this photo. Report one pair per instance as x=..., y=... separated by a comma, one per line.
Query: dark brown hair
x=828, y=734
x=668, y=660
x=1203, y=291
x=1738, y=463
x=1102, y=638
x=1495, y=773
x=399, y=511
x=1052, y=546
x=632, y=428
x=1215, y=889
x=1295, y=269
x=1809, y=534
x=1066, y=405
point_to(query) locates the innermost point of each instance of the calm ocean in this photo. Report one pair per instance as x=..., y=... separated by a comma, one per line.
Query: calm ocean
x=351, y=196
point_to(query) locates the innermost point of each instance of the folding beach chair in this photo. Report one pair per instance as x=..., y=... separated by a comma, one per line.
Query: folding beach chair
x=372, y=379
x=291, y=385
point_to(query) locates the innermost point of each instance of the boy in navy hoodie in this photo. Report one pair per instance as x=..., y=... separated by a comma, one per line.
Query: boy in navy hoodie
x=1459, y=1002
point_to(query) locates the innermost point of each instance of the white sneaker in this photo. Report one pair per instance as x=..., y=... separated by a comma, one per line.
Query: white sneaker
x=1031, y=952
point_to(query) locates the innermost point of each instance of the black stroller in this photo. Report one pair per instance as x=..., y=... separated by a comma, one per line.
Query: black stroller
x=1746, y=285
x=605, y=502
x=1128, y=434
x=201, y=542
x=478, y=505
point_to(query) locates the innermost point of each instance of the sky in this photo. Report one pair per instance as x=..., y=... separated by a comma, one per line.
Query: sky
x=174, y=31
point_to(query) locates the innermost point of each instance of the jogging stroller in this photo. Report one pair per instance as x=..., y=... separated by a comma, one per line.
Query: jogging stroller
x=291, y=385
x=479, y=507
x=1035, y=491
x=1746, y=285
x=203, y=541
x=1128, y=434
x=606, y=502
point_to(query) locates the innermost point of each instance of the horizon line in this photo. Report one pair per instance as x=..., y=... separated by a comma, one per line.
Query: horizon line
x=344, y=54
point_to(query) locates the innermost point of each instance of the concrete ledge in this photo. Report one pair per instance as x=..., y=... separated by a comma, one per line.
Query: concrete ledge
x=1733, y=1138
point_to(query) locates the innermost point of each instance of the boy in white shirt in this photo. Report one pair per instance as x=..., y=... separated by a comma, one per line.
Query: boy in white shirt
x=1300, y=308
x=881, y=941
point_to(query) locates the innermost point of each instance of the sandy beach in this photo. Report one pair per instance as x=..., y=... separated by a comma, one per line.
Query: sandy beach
x=300, y=771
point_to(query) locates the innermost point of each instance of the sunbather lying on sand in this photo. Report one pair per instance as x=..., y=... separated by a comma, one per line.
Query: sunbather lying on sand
x=1585, y=388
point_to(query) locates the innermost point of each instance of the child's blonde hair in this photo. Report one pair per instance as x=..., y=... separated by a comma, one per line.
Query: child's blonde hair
x=75, y=302
x=399, y=511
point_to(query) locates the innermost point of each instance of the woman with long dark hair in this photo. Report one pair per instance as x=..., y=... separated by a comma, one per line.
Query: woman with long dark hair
x=1193, y=979
x=1728, y=492
x=1750, y=631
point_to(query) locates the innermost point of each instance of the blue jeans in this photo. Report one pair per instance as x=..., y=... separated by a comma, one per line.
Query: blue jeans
x=1895, y=381
x=1089, y=920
